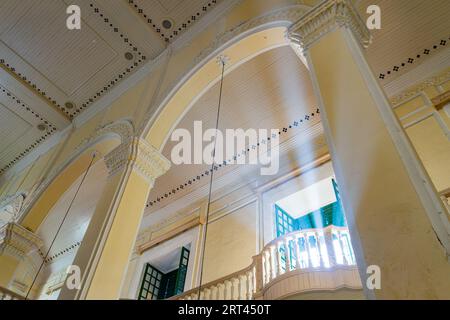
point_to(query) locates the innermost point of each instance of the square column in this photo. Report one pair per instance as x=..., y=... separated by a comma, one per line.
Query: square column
x=107, y=246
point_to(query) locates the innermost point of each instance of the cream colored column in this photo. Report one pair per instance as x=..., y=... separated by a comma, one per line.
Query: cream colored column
x=16, y=243
x=108, y=244
x=390, y=204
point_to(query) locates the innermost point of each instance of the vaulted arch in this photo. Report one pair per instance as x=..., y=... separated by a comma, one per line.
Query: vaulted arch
x=238, y=46
x=103, y=141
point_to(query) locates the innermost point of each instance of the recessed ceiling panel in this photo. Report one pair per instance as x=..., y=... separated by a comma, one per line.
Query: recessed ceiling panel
x=65, y=57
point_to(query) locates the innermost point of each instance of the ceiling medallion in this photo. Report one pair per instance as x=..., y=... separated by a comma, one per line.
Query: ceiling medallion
x=129, y=56
x=42, y=127
x=167, y=24
x=69, y=105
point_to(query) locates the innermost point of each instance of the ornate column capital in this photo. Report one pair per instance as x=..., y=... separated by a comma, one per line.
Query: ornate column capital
x=326, y=17
x=17, y=241
x=148, y=162
x=143, y=158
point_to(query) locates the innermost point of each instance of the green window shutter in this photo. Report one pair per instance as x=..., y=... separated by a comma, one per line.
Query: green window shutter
x=151, y=283
x=182, y=271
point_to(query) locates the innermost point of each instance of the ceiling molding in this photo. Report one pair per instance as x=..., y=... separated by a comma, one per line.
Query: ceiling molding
x=20, y=105
x=33, y=87
x=425, y=75
x=107, y=99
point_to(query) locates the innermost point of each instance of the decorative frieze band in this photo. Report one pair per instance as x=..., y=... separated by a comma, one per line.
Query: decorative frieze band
x=17, y=241
x=146, y=160
x=326, y=17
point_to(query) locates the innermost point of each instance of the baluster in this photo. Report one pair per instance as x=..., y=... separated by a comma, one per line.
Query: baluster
x=213, y=292
x=272, y=263
x=328, y=236
x=343, y=246
x=240, y=295
x=268, y=265
x=277, y=264
x=309, y=250
x=264, y=265
x=232, y=289
x=319, y=250
x=287, y=254
x=226, y=291
x=297, y=252
x=207, y=294
x=221, y=291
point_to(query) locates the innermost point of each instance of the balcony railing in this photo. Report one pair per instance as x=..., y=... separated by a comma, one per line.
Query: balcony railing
x=6, y=294
x=299, y=252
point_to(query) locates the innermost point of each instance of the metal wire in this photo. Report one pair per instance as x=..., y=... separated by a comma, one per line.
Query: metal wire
x=59, y=228
x=222, y=61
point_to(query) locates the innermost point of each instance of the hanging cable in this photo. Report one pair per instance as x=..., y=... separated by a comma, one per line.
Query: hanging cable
x=222, y=61
x=61, y=224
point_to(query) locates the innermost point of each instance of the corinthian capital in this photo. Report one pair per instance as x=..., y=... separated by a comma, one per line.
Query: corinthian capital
x=142, y=157
x=148, y=161
x=327, y=17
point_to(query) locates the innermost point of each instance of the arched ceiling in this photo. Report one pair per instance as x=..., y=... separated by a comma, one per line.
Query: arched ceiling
x=49, y=76
x=271, y=91
x=72, y=212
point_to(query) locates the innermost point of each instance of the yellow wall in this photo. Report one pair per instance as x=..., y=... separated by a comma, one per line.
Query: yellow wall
x=428, y=137
x=230, y=243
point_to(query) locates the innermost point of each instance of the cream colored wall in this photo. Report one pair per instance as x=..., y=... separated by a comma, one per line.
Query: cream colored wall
x=429, y=129
x=230, y=243
x=233, y=235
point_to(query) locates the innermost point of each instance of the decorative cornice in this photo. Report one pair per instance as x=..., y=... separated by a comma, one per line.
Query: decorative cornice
x=17, y=241
x=325, y=18
x=415, y=90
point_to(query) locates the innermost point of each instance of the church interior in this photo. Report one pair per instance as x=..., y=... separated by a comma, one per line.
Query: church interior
x=224, y=150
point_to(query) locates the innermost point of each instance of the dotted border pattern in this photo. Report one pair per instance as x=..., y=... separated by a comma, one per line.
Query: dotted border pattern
x=170, y=35
x=199, y=176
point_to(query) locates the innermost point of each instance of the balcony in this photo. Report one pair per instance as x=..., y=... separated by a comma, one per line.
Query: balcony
x=299, y=262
